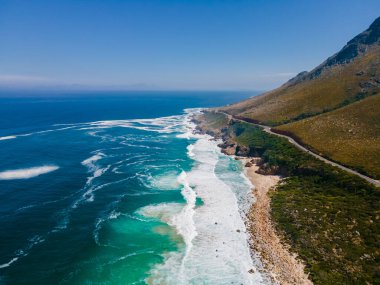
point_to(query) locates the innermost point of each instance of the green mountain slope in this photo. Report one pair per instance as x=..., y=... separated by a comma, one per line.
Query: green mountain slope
x=350, y=135
x=320, y=106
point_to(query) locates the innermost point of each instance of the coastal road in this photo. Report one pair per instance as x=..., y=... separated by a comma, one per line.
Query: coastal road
x=292, y=141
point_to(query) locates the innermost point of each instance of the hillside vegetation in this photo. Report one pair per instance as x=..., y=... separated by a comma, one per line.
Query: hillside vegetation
x=344, y=134
x=336, y=87
x=330, y=108
x=330, y=218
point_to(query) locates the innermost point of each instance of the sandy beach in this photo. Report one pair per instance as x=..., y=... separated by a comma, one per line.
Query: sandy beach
x=282, y=265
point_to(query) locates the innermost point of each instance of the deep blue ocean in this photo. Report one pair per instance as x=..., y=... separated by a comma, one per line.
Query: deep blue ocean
x=115, y=188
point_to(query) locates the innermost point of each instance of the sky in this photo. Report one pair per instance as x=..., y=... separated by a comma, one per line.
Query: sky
x=171, y=45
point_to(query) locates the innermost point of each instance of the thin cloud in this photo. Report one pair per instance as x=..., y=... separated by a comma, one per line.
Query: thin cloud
x=11, y=81
x=24, y=79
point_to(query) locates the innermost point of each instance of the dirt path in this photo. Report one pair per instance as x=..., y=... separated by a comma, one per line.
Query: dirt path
x=292, y=141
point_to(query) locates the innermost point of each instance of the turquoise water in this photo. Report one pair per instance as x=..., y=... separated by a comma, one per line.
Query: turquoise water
x=119, y=201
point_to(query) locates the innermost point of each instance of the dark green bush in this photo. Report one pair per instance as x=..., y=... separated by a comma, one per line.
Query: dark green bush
x=331, y=218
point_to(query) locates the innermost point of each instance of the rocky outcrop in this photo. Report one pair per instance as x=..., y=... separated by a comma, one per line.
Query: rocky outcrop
x=358, y=45
x=242, y=150
x=230, y=150
x=266, y=169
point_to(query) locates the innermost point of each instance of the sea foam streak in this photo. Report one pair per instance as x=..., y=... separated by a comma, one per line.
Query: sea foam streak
x=7, y=138
x=184, y=220
x=163, y=125
x=8, y=263
x=27, y=172
x=34, y=133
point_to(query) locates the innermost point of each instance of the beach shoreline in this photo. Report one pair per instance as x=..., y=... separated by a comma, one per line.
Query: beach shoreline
x=282, y=265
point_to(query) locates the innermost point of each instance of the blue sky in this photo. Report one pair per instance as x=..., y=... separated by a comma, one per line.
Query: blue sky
x=161, y=44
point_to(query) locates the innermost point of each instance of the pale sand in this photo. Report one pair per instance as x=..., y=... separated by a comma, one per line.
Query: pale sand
x=283, y=266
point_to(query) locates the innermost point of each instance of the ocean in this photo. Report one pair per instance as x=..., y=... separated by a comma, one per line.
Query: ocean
x=115, y=188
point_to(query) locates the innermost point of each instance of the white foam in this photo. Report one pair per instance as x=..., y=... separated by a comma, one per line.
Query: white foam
x=98, y=225
x=27, y=173
x=189, y=125
x=190, y=149
x=92, y=167
x=114, y=215
x=217, y=249
x=8, y=263
x=7, y=138
x=163, y=125
x=34, y=133
x=183, y=221
x=164, y=211
x=165, y=181
x=177, y=215
x=89, y=162
x=25, y=251
x=88, y=196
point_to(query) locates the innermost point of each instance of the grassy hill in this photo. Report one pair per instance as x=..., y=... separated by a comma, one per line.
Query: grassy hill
x=321, y=106
x=329, y=217
x=350, y=134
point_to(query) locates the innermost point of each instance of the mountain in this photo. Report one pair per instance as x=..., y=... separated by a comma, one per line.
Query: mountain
x=334, y=109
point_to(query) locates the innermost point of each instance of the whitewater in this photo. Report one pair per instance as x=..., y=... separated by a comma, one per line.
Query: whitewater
x=217, y=249
x=160, y=201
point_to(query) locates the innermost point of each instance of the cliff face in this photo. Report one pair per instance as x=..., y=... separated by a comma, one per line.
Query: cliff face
x=359, y=45
x=306, y=104
x=347, y=76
